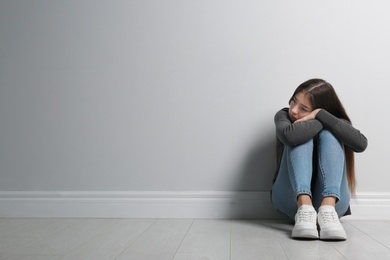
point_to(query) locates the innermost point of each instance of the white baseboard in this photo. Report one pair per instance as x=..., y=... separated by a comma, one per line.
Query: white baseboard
x=371, y=205
x=146, y=204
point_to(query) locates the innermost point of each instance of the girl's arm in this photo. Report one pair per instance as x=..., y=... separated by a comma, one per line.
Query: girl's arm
x=343, y=130
x=295, y=134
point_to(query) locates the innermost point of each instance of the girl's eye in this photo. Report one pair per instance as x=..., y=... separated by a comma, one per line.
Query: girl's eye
x=304, y=109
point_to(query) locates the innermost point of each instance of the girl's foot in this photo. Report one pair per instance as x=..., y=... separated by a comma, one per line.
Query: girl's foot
x=330, y=226
x=305, y=223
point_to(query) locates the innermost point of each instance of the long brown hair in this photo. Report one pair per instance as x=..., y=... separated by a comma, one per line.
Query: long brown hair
x=322, y=95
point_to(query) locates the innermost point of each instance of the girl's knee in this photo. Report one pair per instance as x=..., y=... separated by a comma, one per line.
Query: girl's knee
x=327, y=135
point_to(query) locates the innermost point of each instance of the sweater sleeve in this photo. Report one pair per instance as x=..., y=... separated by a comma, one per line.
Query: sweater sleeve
x=343, y=130
x=295, y=134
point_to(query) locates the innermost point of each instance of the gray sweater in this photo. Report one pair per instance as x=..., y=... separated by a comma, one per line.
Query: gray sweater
x=291, y=134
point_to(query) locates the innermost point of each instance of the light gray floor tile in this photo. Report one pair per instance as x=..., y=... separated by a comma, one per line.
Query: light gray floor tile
x=147, y=239
x=160, y=241
x=361, y=246
x=70, y=238
x=27, y=232
x=206, y=239
x=252, y=239
x=110, y=243
x=303, y=249
x=377, y=230
x=29, y=257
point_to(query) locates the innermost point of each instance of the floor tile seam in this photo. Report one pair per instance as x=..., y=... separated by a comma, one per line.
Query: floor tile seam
x=370, y=236
x=230, y=242
x=141, y=234
x=274, y=233
x=184, y=237
x=332, y=244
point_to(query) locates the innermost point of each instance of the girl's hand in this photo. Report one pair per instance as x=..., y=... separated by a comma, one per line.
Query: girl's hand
x=310, y=116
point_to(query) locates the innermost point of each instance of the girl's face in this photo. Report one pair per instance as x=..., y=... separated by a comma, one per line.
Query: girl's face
x=300, y=106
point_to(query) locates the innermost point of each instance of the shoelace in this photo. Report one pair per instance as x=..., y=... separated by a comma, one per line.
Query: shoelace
x=329, y=217
x=306, y=216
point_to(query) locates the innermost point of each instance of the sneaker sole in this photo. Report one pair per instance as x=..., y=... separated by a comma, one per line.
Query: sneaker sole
x=333, y=235
x=305, y=233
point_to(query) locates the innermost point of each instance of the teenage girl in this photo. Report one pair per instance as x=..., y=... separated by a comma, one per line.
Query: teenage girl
x=315, y=161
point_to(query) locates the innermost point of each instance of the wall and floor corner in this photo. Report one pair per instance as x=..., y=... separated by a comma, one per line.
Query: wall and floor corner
x=165, y=108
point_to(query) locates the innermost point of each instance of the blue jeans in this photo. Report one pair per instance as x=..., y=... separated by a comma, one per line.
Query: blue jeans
x=297, y=175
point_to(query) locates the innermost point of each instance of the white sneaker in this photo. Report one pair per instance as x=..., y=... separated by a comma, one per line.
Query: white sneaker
x=330, y=226
x=305, y=223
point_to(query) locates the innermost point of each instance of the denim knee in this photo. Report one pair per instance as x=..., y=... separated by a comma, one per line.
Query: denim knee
x=325, y=134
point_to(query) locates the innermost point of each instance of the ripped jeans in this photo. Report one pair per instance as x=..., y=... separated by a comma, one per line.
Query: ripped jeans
x=296, y=175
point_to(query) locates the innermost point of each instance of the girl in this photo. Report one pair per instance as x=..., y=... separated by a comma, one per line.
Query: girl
x=315, y=161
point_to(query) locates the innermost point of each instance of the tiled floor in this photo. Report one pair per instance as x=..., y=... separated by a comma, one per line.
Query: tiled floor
x=183, y=239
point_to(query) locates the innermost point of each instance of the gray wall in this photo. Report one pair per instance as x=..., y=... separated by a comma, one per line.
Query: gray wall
x=178, y=95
